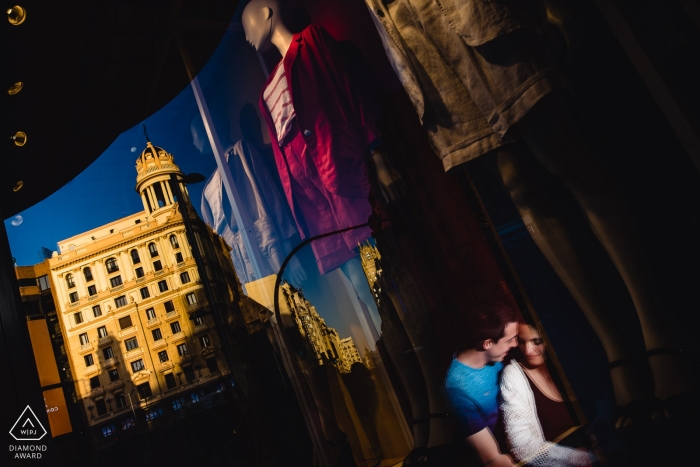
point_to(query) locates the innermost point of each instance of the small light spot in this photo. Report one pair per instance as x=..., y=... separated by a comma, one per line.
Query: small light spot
x=17, y=220
x=133, y=149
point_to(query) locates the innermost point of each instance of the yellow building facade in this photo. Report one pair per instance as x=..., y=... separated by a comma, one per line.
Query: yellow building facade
x=137, y=325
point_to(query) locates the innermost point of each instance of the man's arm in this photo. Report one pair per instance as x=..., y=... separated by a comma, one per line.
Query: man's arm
x=487, y=450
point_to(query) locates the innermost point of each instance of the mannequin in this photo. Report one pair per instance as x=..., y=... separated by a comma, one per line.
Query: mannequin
x=326, y=187
x=262, y=202
x=511, y=89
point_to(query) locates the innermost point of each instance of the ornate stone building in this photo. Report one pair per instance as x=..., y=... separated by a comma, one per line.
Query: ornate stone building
x=138, y=329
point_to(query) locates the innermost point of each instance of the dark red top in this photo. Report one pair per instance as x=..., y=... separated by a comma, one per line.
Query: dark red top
x=554, y=417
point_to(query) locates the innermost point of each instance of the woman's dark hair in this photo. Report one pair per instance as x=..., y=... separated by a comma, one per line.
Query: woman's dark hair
x=488, y=321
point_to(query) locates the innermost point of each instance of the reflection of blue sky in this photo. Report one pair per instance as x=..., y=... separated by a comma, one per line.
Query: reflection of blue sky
x=105, y=191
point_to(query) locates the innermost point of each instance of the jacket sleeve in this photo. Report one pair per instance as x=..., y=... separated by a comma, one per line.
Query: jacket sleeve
x=523, y=431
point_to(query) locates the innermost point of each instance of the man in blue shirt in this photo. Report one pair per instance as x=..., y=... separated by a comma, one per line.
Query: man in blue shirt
x=472, y=382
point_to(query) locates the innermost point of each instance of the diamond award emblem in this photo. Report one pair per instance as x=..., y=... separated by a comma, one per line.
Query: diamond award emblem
x=28, y=427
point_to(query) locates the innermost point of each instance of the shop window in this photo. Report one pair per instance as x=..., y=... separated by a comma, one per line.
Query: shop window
x=128, y=423
x=109, y=430
x=154, y=413
x=178, y=403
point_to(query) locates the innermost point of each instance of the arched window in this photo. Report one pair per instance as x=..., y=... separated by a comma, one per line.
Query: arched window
x=135, y=257
x=112, y=265
x=87, y=272
x=153, y=249
x=69, y=281
x=173, y=241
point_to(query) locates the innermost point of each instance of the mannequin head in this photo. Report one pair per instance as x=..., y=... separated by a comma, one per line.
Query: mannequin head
x=199, y=135
x=200, y=139
x=264, y=27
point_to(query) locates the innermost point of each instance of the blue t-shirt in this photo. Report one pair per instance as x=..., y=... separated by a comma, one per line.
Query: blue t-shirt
x=473, y=395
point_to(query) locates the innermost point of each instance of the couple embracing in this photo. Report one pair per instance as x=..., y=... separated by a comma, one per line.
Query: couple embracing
x=517, y=403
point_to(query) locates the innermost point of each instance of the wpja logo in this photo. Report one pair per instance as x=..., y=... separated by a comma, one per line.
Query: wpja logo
x=27, y=428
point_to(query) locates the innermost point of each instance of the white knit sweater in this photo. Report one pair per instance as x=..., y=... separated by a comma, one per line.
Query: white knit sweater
x=523, y=430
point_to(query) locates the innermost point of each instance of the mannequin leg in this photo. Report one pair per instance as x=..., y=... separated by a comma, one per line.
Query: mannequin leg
x=554, y=241
x=550, y=131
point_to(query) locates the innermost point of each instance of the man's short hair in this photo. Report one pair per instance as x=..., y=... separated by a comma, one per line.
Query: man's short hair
x=488, y=321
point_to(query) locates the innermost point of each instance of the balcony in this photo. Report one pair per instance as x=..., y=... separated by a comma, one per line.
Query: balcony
x=110, y=362
x=86, y=347
x=208, y=351
x=115, y=385
x=153, y=321
x=165, y=366
x=201, y=327
x=93, y=297
x=117, y=288
x=127, y=331
x=171, y=314
x=196, y=305
x=178, y=336
x=134, y=353
x=104, y=341
x=158, y=344
x=96, y=392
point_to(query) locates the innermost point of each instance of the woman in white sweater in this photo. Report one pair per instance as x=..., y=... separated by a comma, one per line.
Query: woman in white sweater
x=533, y=409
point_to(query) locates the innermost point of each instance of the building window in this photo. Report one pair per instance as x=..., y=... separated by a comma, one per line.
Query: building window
x=194, y=396
x=178, y=258
x=131, y=344
x=157, y=266
x=89, y=360
x=128, y=423
x=169, y=306
x=138, y=366
x=204, y=340
x=191, y=298
x=154, y=413
x=139, y=272
x=144, y=293
x=115, y=281
x=108, y=353
x=92, y=290
x=150, y=313
x=78, y=317
x=163, y=286
x=87, y=272
x=95, y=382
x=120, y=400
x=182, y=350
x=120, y=301
x=70, y=282
x=101, y=332
x=153, y=250
x=212, y=365
x=43, y=282
x=144, y=390
x=73, y=297
x=113, y=376
x=189, y=373
x=177, y=403
x=163, y=356
x=198, y=321
x=84, y=338
x=125, y=322
x=111, y=265
x=96, y=311
x=135, y=259
x=175, y=327
x=108, y=431
x=170, y=383
x=157, y=335
x=101, y=407
x=173, y=242
x=185, y=277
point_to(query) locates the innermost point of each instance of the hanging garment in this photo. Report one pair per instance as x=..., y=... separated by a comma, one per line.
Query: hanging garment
x=263, y=204
x=322, y=164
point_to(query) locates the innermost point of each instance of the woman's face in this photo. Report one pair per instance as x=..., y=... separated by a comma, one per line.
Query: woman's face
x=531, y=345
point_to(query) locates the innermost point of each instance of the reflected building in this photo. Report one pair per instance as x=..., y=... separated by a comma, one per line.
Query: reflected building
x=138, y=331
x=322, y=340
x=371, y=265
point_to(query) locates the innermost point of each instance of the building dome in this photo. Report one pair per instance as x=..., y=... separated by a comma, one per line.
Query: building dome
x=154, y=160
